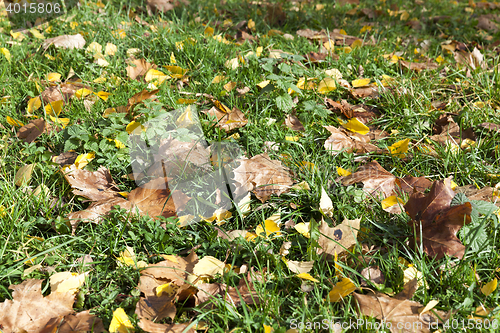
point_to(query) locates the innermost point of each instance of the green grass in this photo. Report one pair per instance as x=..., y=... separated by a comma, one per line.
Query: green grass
x=407, y=110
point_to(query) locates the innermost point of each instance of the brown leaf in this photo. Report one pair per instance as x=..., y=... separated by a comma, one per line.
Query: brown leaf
x=23, y=313
x=398, y=312
x=81, y=321
x=66, y=158
x=141, y=96
x=418, y=66
x=343, y=108
x=410, y=184
x=156, y=308
x=95, y=186
x=174, y=269
x=373, y=274
x=154, y=6
x=365, y=92
x=151, y=327
x=234, y=296
x=486, y=24
x=490, y=127
x=439, y=221
x=65, y=41
x=340, y=140
x=312, y=34
x=484, y=194
x=316, y=57
x=138, y=67
x=275, y=14
x=374, y=178
x=292, y=122
x=228, y=121
x=32, y=130
x=338, y=239
x=263, y=176
x=62, y=92
x=96, y=211
x=474, y=59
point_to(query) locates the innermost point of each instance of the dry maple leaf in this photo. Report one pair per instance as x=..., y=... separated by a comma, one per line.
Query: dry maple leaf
x=438, y=221
x=32, y=130
x=339, y=238
x=342, y=140
x=409, y=184
x=473, y=193
x=174, y=269
x=66, y=41
x=138, y=67
x=246, y=293
x=228, y=120
x=29, y=311
x=78, y=322
x=263, y=176
x=139, y=97
x=97, y=185
x=398, y=313
x=374, y=178
x=62, y=92
x=474, y=59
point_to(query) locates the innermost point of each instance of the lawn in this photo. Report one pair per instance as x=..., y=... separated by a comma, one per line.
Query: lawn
x=251, y=166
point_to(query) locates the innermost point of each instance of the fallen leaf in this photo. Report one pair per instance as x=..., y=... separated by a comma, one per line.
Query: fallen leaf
x=376, y=180
x=354, y=125
x=489, y=287
x=326, y=85
x=360, y=83
x=66, y=41
x=32, y=130
x=338, y=239
x=138, y=67
x=307, y=276
x=67, y=282
x=228, y=120
x=263, y=176
x=299, y=267
x=419, y=66
x=268, y=228
x=120, y=322
x=341, y=290
x=372, y=274
x=325, y=204
x=23, y=175
x=209, y=266
x=339, y=140
x=399, y=148
x=292, y=122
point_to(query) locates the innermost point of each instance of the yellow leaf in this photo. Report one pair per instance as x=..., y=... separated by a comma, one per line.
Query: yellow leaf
x=325, y=204
x=111, y=49
x=185, y=101
x=82, y=92
x=120, y=322
x=360, y=83
x=179, y=71
x=100, y=80
x=230, y=86
x=168, y=288
x=440, y=60
x=62, y=121
x=23, y=175
x=19, y=36
x=453, y=185
x=303, y=229
x=154, y=74
x=54, y=108
x=428, y=307
x=258, y=51
x=413, y=273
x=343, y=172
x=329, y=45
x=269, y=228
x=326, y=85
x=209, y=32
x=73, y=25
x=354, y=125
x=356, y=43
x=292, y=138
x=391, y=201
x=365, y=28
x=232, y=63
x=307, y=276
x=387, y=80
x=219, y=215
x=342, y=32
x=83, y=159
x=341, y=290
x=6, y=53
x=36, y=34
x=172, y=58
x=132, y=126
x=3, y=211
x=251, y=24
x=263, y=84
x=404, y=16
x=48, y=56
x=129, y=258
x=63, y=282
x=218, y=79
x=490, y=287
x=120, y=33
x=34, y=104
x=53, y=77
x=103, y=95
x=467, y=143
x=399, y=148
x=14, y=122
x=268, y=329
x=209, y=266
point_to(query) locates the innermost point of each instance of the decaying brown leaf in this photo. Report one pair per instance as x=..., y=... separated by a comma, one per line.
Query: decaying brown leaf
x=138, y=67
x=439, y=221
x=485, y=194
x=447, y=132
x=228, y=120
x=410, y=184
x=32, y=130
x=342, y=140
x=373, y=274
x=66, y=158
x=339, y=238
x=30, y=311
x=62, y=92
x=152, y=327
x=474, y=59
x=95, y=186
x=402, y=314
x=376, y=180
x=263, y=176
x=293, y=122
x=419, y=66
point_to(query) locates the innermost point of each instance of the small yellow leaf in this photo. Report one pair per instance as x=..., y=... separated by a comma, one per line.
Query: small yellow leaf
x=428, y=307
x=53, y=77
x=132, y=126
x=168, y=288
x=210, y=266
x=111, y=49
x=453, y=185
x=103, y=95
x=360, y=83
x=490, y=287
x=258, y=51
x=100, y=80
x=209, y=32
x=36, y=34
x=218, y=79
x=172, y=58
x=63, y=282
x=73, y=25
x=23, y=175
x=251, y=24
x=179, y=71
x=343, y=172
x=84, y=159
x=263, y=84
x=62, y=121
x=185, y=101
x=413, y=273
x=354, y=125
x=219, y=215
x=467, y=143
x=120, y=322
x=303, y=229
x=120, y=33
x=34, y=104
x=82, y=93
x=391, y=201
x=399, y=148
x=268, y=329
x=326, y=85
x=6, y=53
x=329, y=45
x=54, y=108
x=14, y=122
x=404, y=16
x=341, y=290
x=230, y=86
x=307, y=276
x=355, y=44
x=19, y=36
x=129, y=258
x=3, y=211
x=292, y=138
x=365, y=28
x=154, y=74
x=269, y=228
x=440, y=60
x=232, y=63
